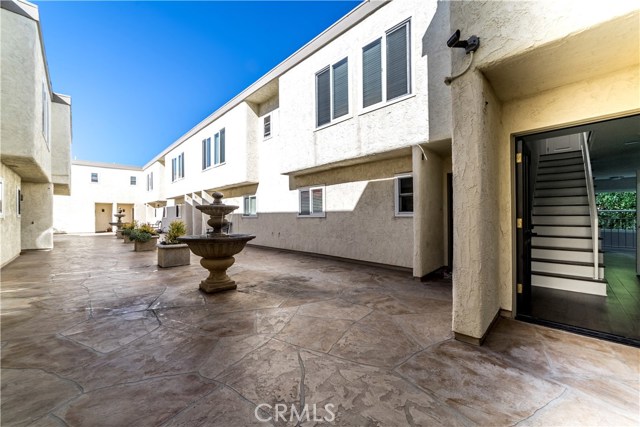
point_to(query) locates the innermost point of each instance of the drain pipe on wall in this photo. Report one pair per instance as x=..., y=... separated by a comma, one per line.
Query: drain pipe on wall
x=448, y=80
x=424, y=155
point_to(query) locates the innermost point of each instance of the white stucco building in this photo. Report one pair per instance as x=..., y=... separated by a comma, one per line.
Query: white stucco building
x=35, y=135
x=355, y=147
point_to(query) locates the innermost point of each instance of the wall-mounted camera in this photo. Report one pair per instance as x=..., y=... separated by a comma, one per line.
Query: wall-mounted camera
x=470, y=45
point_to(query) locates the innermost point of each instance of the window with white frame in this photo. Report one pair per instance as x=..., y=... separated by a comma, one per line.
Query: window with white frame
x=18, y=202
x=177, y=167
x=249, y=206
x=219, y=147
x=206, y=153
x=266, y=126
x=94, y=177
x=150, y=181
x=133, y=180
x=394, y=79
x=404, y=195
x=46, y=112
x=332, y=92
x=1, y=198
x=311, y=201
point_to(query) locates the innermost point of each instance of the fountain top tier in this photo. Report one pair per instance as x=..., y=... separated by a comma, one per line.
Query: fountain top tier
x=217, y=212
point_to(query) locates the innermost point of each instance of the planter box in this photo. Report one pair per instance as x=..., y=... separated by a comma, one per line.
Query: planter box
x=126, y=239
x=173, y=255
x=146, y=246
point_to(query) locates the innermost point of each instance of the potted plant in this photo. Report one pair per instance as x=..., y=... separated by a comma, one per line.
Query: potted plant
x=127, y=228
x=172, y=253
x=145, y=238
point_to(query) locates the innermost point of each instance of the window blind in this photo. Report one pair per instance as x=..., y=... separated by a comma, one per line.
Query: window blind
x=372, y=73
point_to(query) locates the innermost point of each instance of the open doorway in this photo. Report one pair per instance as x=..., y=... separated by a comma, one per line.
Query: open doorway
x=577, y=228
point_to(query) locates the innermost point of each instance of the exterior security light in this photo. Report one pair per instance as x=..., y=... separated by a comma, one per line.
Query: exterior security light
x=470, y=45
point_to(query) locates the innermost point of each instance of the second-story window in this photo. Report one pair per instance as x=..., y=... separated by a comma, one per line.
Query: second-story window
x=267, y=126
x=206, y=153
x=219, y=147
x=384, y=84
x=150, y=181
x=332, y=92
x=177, y=167
x=132, y=180
x=94, y=177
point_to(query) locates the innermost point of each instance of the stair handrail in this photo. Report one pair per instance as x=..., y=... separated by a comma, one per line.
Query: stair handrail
x=591, y=195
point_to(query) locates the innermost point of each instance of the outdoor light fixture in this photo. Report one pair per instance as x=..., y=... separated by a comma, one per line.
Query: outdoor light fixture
x=470, y=45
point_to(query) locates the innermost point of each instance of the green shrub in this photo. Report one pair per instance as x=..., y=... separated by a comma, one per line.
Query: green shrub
x=138, y=235
x=176, y=229
x=147, y=228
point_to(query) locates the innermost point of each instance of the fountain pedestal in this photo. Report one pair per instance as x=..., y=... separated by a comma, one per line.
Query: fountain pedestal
x=217, y=248
x=118, y=224
x=218, y=279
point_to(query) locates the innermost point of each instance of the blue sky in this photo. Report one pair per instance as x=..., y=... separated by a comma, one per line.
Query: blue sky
x=141, y=74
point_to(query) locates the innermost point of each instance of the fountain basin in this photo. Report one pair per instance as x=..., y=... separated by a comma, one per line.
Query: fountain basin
x=217, y=252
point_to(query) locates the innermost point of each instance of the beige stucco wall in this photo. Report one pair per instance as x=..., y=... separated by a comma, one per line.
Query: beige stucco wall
x=363, y=131
x=23, y=73
x=475, y=203
x=37, y=216
x=61, y=144
x=429, y=208
x=485, y=123
x=359, y=224
x=240, y=161
x=9, y=221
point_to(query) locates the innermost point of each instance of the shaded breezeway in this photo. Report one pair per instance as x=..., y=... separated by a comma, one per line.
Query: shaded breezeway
x=95, y=334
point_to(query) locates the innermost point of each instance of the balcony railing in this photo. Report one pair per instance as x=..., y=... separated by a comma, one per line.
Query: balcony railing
x=618, y=228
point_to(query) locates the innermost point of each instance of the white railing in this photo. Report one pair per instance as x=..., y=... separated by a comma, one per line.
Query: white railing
x=591, y=194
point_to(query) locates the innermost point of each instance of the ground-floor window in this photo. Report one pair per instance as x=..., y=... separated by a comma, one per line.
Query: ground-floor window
x=311, y=201
x=404, y=195
x=249, y=206
x=18, y=202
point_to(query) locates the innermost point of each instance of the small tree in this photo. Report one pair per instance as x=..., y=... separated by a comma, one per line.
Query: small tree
x=176, y=229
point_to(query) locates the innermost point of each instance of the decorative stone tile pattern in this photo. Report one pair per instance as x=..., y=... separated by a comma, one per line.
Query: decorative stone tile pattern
x=95, y=334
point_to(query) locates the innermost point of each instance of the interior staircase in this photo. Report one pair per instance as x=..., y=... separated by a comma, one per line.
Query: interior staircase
x=562, y=244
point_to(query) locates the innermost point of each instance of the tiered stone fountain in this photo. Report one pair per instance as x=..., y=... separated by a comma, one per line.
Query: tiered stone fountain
x=217, y=248
x=118, y=224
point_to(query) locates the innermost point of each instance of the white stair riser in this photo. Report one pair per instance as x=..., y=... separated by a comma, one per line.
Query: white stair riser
x=563, y=242
x=561, y=183
x=561, y=176
x=560, y=192
x=582, y=286
x=560, y=210
x=562, y=155
x=558, y=169
x=560, y=162
x=568, y=269
x=562, y=220
x=562, y=231
x=558, y=255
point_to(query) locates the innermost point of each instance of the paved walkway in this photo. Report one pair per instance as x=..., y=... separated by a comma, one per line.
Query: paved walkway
x=94, y=334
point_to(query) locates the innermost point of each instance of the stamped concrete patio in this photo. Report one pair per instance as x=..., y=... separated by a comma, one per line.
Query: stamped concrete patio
x=94, y=334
